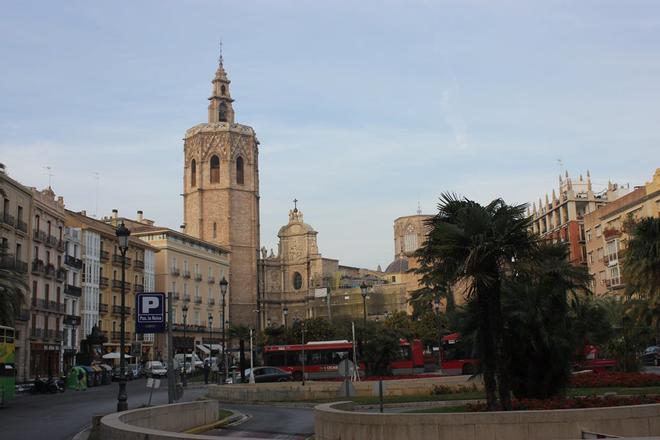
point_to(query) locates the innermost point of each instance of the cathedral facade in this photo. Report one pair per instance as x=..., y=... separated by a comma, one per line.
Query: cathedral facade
x=221, y=194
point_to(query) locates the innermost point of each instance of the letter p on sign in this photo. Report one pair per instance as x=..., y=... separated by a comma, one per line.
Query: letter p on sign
x=150, y=303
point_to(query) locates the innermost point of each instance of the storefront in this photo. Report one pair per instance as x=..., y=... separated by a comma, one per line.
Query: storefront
x=44, y=360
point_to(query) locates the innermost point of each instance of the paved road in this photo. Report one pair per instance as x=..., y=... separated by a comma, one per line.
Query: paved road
x=60, y=416
x=271, y=422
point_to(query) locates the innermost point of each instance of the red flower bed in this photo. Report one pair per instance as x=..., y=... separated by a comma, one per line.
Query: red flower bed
x=607, y=379
x=571, y=403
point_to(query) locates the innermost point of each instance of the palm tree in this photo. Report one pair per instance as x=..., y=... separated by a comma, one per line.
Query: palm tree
x=12, y=289
x=641, y=265
x=539, y=324
x=476, y=244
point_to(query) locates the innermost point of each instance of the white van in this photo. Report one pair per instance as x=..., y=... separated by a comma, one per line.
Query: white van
x=191, y=360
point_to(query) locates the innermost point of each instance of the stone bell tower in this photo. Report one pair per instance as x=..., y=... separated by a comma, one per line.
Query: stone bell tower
x=221, y=195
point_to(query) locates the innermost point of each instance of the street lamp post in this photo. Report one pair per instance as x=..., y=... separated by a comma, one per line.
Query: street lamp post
x=184, y=378
x=302, y=328
x=223, y=292
x=363, y=290
x=122, y=237
x=210, y=336
x=285, y=312
x=437, y=317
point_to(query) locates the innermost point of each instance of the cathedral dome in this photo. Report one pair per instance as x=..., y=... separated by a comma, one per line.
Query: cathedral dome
x=400, y=265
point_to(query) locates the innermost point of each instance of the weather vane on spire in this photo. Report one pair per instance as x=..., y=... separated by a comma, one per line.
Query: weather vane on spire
x=220, y=58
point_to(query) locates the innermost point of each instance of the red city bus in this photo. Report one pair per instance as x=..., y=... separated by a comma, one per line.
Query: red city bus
x=322, y=358
x=457, y=356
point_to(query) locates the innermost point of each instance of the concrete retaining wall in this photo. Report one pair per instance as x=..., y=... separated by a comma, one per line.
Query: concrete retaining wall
x=164, y=422
x=335, y=421
x=294, y=391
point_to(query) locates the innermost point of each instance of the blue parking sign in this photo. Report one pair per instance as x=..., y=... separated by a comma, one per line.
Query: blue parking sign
x=150, y=312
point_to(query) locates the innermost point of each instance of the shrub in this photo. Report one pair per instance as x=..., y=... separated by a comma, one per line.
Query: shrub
x=602, y=380
x=571, y=403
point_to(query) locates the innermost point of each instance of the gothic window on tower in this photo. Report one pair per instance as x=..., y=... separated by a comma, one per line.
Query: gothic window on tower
x=193, y=173
x=410, y=239
x=297, y=280
x=215, y=169
x=222, y=113
x=239, y=170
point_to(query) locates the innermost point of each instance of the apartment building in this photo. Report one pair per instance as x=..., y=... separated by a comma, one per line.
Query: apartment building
x=46, y=280
x=72, y=294
x=560, y=218
x=606, y=234
x=101, y=280
x=191, y=269
x=15, y=224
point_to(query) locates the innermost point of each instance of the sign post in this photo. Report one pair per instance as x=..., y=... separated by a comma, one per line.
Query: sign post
x=150, y=316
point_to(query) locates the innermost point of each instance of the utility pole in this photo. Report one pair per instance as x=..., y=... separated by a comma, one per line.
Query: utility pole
x=171, y=381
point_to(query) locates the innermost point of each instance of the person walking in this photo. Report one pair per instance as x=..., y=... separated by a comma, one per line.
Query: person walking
x=207, y=370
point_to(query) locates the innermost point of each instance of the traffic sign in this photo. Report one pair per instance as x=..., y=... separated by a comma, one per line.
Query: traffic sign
x=150, y=316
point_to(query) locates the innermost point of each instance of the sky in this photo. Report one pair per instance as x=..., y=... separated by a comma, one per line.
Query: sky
x=364, y=110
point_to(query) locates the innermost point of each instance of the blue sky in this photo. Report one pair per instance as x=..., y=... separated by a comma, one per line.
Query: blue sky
x=362, y=108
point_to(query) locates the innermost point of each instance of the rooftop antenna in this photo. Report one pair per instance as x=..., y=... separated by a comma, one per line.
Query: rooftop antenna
x=419, y=207
x=96, y=199
x=50, y=175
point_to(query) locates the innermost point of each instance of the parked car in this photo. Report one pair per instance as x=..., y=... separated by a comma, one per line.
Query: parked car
x=155, y=369
x=132, y=372
x=651, y=356
x=268, y=374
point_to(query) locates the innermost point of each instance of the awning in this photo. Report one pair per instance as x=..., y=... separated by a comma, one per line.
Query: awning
x=203, y=348
x=115, y=355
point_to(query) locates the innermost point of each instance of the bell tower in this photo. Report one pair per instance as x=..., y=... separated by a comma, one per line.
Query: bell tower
x=221, y=194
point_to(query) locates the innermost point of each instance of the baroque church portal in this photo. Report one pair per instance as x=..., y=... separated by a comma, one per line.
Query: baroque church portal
x=221, y=194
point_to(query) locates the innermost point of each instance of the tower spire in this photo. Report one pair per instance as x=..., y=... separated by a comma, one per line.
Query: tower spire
x=220, y=59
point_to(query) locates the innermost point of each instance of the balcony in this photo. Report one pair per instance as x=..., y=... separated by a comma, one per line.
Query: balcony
x=139, y=288
x=610, y=233
x=21, y=226
x=61, y=244
x=10, y=263
x=8, y=219
x=37, y=333
x=50, y=240
x=72, y=290
x=72, y=320
x=198, y=277
x=104, y=282
x=116, y=310
x=138, y=264
x=103, y=308
x=38, y=235
x=211, y=301
x=174, y=271
x=198, y=300
x=38, y=267
x=116, y=285
x=56, y=335
x=210, y=279
x=54, y=306
x=117, y=259
x=60, y=275
x=186, y=273
x=175, y=296
x=49, y=271
x=70, y=261
x=186, y=297
x=105, y=255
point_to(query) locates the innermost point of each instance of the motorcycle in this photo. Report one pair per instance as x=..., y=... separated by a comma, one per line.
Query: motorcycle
x=51, y=385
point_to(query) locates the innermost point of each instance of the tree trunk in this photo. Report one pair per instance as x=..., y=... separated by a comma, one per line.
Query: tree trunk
x=501, y=361
x=487, y=348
